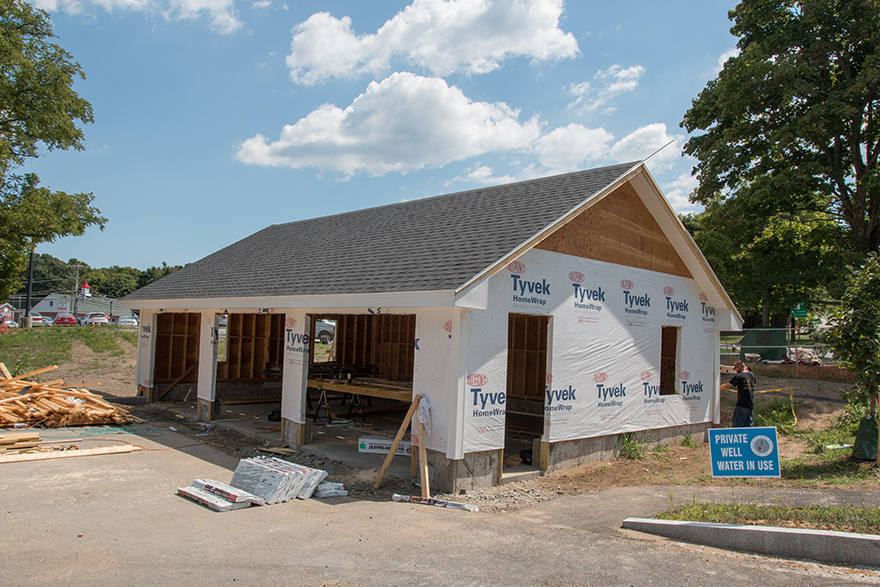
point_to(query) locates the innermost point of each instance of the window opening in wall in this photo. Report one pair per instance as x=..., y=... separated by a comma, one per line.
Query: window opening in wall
x=669, y=350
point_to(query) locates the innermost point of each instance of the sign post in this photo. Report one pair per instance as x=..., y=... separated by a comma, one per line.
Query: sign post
x=744, y=452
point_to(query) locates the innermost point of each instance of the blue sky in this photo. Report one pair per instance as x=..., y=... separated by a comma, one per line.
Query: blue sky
x=217, y=118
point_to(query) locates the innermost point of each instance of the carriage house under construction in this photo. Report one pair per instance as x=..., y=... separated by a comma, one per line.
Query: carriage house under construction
x=576, y=307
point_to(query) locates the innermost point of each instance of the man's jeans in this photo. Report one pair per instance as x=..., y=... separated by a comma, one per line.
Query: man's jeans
x=742, y=417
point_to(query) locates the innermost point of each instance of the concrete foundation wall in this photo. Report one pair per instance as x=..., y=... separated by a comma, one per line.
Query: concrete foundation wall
x=564, y=455
x=479, y=470
x=475, y=471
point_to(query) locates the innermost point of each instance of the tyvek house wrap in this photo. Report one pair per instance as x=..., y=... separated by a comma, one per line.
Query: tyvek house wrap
x=603, y=372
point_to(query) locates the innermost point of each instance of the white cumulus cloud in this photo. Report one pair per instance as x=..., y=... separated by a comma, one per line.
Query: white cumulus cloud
x=647, y=140
x=440, y=36
x=678, y=191
x=572, y=147
x=221, y=14
x=404, y=123
x=608, y=84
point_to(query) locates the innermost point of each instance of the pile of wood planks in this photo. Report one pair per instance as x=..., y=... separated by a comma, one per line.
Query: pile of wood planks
x=50, y=405
x=18, y=441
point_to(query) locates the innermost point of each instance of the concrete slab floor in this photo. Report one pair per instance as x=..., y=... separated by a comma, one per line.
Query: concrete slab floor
x=337, y=440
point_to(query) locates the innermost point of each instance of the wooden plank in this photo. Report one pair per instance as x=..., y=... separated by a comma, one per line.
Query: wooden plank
x=26, y=375
x=5, y=371
x=178, y=380
x=83, y=452
x=423, y=459
x=406, y=422
x=12, y=437
x=370, y=389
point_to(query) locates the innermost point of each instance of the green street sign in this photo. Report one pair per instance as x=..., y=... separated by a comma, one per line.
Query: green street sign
x=799, y=311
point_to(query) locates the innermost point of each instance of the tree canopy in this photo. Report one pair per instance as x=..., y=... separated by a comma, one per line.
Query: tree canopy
x=791, y=122
x=38, y=109
x=769, y=264
x=53, y=275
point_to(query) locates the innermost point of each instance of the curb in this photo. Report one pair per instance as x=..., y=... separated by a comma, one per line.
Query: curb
x=819, y=545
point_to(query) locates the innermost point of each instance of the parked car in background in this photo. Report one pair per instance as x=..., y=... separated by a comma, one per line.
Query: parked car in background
x=65, y=320
x=96, y=319
x=48, y=321
x=36, y=319
x=127, y=321
x=325, y=330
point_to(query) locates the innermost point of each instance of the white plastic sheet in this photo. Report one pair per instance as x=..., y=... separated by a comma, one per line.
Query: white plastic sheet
x=604, y=349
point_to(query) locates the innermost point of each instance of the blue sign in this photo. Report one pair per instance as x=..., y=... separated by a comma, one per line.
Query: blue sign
x=744, y=452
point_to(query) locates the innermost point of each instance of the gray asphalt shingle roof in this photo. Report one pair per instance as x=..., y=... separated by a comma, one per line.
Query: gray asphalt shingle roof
x=436, y=243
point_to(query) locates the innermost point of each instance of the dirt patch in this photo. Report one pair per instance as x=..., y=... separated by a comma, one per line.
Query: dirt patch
x=101, y=373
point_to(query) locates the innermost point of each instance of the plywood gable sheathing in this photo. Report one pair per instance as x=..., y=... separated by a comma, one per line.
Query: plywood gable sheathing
x=618, y=229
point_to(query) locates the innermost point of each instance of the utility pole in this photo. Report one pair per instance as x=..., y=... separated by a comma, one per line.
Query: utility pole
x=28, y=321
x=75, y=291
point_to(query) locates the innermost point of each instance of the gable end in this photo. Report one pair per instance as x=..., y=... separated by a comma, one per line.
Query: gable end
x=618, y=229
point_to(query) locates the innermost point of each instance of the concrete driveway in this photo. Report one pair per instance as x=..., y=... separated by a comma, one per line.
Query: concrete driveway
x=116, y=520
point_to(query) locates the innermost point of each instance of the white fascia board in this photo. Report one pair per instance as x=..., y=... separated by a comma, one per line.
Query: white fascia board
x=420, y=299
x=691, y=255
x=476, y=297
x=525, y=246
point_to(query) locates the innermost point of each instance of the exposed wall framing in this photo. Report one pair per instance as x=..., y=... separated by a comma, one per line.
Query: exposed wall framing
x=527, y=356
x=619, y=229
x=253, y=343
x=386, y=341
x=177, y=347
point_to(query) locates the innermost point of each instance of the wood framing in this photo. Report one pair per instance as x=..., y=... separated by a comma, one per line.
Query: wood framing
x=386, y=341
x=526, y=356
x=177, y=346
x=253, y=343
x=618, y=229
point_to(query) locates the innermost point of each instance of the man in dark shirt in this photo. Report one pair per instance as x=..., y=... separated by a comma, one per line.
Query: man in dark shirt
x=745, y=382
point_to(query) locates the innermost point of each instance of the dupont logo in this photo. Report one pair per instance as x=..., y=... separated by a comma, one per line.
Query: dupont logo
x=684, y=375
x=516, y=267
x=626, y=284
x=448, y=326
x=703, y=297
x=668, y=291
x=646, y=376
x=600, y=377
x=477, y=380
x=290, y=323
x=576, y=277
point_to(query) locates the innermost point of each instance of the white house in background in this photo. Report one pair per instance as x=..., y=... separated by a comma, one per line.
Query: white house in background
x=576, y=307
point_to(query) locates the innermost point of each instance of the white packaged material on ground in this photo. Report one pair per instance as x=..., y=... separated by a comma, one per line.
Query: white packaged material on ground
x=211, y=500
x=327, y=489
x=276, y=480
x=228, y=492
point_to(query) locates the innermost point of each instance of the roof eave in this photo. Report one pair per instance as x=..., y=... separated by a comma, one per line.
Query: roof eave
x=400, y=299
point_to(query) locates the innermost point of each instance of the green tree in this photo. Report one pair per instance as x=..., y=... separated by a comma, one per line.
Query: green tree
x=50, y=275
x=38, y=109
x=855, y=334
x=791, y=122
x=769, y=264
x=153, y=273
x=114, y=282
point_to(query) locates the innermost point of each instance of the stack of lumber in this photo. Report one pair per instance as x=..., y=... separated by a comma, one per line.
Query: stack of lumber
x=50, y=405
x=18, y=441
